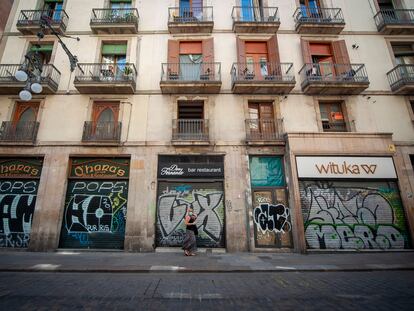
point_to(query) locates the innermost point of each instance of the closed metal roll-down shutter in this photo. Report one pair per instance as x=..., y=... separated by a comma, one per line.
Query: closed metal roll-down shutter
x=95, y=209
x=353, y=215
x=174, y=198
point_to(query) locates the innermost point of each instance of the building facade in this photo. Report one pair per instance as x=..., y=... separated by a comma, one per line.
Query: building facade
x=286, y=124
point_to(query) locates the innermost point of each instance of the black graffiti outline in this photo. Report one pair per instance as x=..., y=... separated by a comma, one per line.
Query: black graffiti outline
x=264, y=217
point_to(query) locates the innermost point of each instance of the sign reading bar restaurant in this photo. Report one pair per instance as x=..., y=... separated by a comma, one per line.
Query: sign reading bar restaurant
x=172, y=167
x=20, y=167
x=346, y=167
x=99, y=168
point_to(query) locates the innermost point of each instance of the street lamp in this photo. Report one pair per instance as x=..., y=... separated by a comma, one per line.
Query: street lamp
x=31, y=70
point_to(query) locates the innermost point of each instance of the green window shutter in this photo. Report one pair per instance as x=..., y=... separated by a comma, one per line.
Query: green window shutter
x=119, y=1
x=114, y=49
x=42, y=48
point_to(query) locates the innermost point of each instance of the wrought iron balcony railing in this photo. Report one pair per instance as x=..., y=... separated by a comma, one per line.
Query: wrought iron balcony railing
x=400, y=75
x=20, y=131
x=329, y=126
x=33, y=17
x=255, y=14
x=263, y=71
x=106, y=73
x=394, y=17
x=114, y=16
x=49, y=74
x=329, y=72
x=319, y=15
x=190, y=15
x=101, y=131
x=263, y=129
x=190, y=129
x=189, y=72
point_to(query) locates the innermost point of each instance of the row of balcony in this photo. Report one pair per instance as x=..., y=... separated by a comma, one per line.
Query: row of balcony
x=200, y=20
x=205, y=78
x=183, y=131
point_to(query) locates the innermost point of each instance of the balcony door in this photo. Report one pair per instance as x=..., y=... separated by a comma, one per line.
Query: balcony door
x=119, y=9
x=332, y=117
x=256, y=60
x=310, y=8
x=113, y=60
x=191, y=10
x=261, y=122
x=54, y=9
x=252, y=10
x=191, y=59
x=404, y=56
x=44, y=50
x=24, y=119
x=105, y=119
x=190, y=123
x=322, y=55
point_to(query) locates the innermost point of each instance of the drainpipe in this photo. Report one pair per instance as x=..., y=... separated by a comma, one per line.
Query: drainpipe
x=129, y=120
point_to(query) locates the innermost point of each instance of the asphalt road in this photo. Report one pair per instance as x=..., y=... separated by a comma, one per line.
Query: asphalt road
x=384, y=290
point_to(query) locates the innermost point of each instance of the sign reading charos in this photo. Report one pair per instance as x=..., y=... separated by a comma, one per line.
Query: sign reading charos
x=346, y=167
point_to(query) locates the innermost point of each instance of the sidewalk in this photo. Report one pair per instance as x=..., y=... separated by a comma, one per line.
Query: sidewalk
x=78, y=261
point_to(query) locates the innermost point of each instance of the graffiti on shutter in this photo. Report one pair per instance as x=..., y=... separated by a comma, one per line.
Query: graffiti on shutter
x=353, y=215
x=95, y=214
x=174, y=199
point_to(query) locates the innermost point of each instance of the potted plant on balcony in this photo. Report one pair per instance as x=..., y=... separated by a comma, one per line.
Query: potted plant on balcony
x=127, y=72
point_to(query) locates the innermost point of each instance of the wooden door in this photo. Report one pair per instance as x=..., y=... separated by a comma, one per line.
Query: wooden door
x=262, y=125
x=256, y=60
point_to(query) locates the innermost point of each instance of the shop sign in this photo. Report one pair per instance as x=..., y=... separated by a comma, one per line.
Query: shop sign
x=183, y=170
x=20, y=167
x=99, y=168
x=346, y=167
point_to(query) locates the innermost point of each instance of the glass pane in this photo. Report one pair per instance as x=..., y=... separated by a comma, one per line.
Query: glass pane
x=28, y=115
x=106, y=116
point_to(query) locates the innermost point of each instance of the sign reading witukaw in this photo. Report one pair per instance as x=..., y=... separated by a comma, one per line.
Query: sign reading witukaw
x=346, y=167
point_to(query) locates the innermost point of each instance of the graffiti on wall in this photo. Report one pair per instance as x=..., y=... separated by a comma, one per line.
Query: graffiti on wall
x=353, y=215
x=207, y=201
x=17, y=204
x=95, y=214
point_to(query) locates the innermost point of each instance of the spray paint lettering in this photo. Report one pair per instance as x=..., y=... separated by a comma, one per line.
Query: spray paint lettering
x=270, y=217
x=353, y=216
x=208, y=204
x=17, y=204
x=95, y=212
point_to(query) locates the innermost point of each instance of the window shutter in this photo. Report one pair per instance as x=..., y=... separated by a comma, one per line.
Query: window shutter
x=53, y=1
x=340, y=52
x=273, y=55
x=197, y=3
x=42, y=48
x=118, y=1
x=114, y=49
x=173, y=51
x=208, y=50
x=241, y=54
x=307, y=57
x=208, y=58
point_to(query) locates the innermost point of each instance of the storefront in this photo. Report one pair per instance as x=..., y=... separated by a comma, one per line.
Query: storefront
x=271, y=214
x=96, y=204
x=19, y=183
x=190, y=181
x=351, y=203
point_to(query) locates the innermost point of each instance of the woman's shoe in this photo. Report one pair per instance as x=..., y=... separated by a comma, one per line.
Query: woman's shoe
x=186, y=253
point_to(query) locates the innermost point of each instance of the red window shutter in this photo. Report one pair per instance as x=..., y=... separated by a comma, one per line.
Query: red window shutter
x=273, y=50
x=340, y=52
x=208, y=50
x=307, y=57
x=273, y=55
x=241, y=54
x=173, y=51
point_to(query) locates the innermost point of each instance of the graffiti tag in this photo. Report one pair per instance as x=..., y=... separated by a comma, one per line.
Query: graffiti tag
x=270, y=217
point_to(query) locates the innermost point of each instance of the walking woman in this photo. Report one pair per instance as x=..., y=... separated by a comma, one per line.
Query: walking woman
x=189, y=243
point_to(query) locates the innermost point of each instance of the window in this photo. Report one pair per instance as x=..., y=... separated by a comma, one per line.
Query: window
x=191, y=123
x=191, y=10
x=403, y=53
x=120, y=4
x=332, y=117
x=310, y=8
x=105, y=112
x=190, y=110
x=113, y=59
x=385, y=5
x=24, y=119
